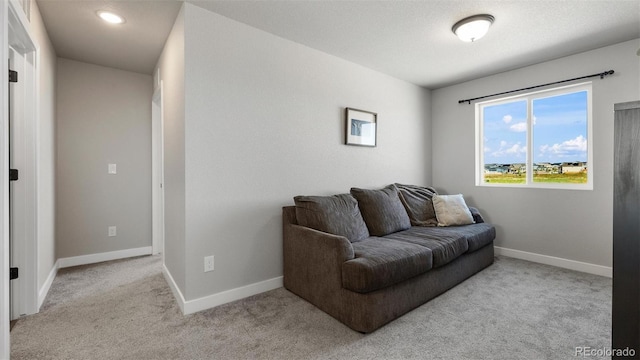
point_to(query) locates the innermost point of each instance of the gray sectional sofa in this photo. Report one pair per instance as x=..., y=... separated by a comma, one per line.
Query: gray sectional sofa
x=368, y=257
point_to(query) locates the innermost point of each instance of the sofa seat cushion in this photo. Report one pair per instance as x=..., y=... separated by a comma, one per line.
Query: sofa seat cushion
x=380, y=262
x=445, y=245
x=477, y=235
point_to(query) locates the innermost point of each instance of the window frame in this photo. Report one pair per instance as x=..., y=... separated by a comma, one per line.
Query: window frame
x=530, y=98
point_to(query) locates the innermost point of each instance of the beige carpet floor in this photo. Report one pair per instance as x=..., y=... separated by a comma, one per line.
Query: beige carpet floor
x=124, y=310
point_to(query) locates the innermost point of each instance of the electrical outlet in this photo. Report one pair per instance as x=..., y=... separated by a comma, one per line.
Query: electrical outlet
x=112, y=231
x=112, y=169
x=208, y=263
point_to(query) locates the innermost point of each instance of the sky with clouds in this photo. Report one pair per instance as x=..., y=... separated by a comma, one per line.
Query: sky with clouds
x=559, y=130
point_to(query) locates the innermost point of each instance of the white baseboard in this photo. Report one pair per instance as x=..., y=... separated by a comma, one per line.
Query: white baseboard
x=106, y=256
x=556, y=261
x=211, y=301
x=224, y=297
x=174, y=287
x=44, y=290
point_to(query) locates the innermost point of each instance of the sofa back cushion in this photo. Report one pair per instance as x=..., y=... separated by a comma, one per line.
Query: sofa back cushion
x=337, y=215
x=417, y=200
x=382, y=210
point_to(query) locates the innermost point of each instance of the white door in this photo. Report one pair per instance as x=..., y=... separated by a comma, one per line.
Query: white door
x=16, y=188
x=23, y=192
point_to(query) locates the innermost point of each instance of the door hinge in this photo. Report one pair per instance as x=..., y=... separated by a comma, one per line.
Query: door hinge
x=13, y=174
x=13, y=76
x=13, y=273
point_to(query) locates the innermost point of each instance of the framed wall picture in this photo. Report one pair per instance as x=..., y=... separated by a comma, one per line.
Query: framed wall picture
x=361, y=127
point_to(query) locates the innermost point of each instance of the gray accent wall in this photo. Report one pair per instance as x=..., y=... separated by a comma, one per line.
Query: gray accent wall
x=103, y=116
x=172, y=67
x=263, y=122
x=569, y=224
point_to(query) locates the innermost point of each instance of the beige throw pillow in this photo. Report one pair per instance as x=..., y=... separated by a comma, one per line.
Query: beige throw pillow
x=452, y=210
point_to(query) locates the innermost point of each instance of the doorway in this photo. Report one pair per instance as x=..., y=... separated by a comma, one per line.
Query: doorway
x=157, y=169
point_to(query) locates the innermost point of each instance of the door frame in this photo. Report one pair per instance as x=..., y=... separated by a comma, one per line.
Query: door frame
x=157, y=170
x=4, y=184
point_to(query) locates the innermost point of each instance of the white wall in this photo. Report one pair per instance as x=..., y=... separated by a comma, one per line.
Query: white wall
x=570, y=224
x=103, y=116
x=46, y=147
x=171, y=64
x=264, y=121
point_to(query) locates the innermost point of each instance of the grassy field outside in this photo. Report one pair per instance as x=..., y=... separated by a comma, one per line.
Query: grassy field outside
x=505, y=178
x=571, y=178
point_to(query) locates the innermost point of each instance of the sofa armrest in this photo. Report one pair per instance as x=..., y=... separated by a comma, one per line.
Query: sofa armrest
x=313, y=261
x=477, y=217
x=315, y=248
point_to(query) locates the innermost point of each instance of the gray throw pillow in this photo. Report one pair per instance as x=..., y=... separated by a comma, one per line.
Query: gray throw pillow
x=337, y=215
x=418, y=201
x=382, y=210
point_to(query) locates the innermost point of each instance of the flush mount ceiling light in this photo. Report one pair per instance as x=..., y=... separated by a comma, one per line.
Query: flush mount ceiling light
x=110, y=17
x=472, y=28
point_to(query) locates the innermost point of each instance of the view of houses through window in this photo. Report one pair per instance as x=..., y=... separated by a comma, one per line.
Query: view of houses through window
x=556, y=123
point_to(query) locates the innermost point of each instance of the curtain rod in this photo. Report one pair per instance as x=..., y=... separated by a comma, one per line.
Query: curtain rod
x=602, y=75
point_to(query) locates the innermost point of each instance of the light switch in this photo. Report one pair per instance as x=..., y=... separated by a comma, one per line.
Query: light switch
x=112, y=169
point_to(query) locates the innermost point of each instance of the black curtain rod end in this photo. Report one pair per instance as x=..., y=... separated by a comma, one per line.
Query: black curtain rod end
x=610, y=72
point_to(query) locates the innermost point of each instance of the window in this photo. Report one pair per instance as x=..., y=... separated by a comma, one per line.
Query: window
x=540, y=139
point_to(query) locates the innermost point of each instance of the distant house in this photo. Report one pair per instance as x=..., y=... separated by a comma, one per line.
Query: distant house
x=496, y=169
x=501, y=169
x=573, y=168
x=546, y=168
x=517, y=169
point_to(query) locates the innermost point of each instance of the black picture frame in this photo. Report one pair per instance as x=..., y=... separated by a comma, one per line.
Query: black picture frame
x=361, y=127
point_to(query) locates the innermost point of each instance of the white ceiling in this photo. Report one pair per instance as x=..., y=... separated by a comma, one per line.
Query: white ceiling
x=410, y=40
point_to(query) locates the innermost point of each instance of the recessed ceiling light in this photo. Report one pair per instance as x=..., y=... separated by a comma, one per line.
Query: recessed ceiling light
x=472, y=28
x=110, y=17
